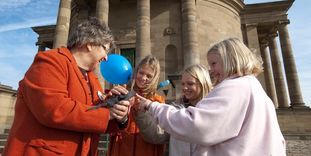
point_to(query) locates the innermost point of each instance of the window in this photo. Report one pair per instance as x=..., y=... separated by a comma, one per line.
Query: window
x=129, y=53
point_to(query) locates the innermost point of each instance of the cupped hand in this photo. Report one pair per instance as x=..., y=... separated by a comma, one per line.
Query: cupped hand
x=120, y=110
x=118, y=90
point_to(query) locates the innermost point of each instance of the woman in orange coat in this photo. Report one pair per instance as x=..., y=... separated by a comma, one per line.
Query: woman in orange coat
x=51, y=111
x=129, y=141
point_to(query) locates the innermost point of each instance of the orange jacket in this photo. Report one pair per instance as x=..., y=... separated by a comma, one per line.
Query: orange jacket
x=50, y=111
x=129, y=141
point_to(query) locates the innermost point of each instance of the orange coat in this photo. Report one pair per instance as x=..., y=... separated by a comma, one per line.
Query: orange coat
x=50, y=111
x=129, y=141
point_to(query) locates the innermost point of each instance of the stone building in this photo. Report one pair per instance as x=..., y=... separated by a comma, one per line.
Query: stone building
x=7, y=102
x=179, y=32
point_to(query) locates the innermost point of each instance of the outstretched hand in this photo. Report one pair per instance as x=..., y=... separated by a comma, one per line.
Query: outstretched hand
x=143, y=103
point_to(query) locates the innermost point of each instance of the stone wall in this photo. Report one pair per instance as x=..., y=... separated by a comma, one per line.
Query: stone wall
x=296, y=128
x=216, y=20
x=7, y=103
x=295, y=121
x=298, y=145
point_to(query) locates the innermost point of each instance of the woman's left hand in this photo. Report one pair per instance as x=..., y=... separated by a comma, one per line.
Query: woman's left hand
x=118, y=90
x=120, y=110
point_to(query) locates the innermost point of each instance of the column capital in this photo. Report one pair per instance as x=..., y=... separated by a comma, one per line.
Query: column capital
x=283, y=22
x=272, y=35
x=264, y=43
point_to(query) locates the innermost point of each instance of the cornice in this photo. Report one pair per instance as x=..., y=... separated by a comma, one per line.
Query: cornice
x=44, y=29
x=237, y=5
x=7, y=89
x=268, y=6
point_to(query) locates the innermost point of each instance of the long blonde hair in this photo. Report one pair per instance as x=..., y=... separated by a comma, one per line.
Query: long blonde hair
x=150, y=89
x=200, y=73
x=237, y=58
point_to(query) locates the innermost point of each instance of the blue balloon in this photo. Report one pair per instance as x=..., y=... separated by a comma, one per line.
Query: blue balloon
x=116, y=70
x=163, y=84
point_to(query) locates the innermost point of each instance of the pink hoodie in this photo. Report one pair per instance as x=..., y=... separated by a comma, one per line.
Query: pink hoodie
x=237, y=118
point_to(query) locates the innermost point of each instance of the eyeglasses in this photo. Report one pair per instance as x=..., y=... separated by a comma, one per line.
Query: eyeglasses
x=106, y=48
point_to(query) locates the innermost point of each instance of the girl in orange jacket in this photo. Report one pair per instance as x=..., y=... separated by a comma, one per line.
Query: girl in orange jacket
x=129, y=141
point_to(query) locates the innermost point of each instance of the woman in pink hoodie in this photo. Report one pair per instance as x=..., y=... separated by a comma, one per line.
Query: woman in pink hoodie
x=236, y=118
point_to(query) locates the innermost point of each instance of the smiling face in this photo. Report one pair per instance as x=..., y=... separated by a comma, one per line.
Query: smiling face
x=99, y=53
x=216, y=67
x=191, y=88
x=144, y=76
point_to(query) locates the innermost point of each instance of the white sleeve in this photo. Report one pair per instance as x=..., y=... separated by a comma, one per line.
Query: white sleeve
x=216, y=118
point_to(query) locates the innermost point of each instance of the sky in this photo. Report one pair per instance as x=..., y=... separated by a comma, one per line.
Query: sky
x=17, y=40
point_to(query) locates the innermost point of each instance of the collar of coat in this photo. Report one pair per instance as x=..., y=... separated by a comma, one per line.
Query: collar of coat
x=66, y=52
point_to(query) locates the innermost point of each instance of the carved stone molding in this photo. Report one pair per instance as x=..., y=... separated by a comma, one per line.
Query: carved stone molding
x=124, y=34
x=251, y=25
x=264, y=43
x=169, y=31
x=272, y=35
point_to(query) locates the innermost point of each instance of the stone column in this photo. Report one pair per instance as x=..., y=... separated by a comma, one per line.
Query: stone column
x=102, y=10
x=252, y=37
x=143, y=41
x=102, y=13
x=253, y=44
x=290, y=66
x=41, y=47
x=62, y=25
x=278, y=73
x=189, y=33
x=270, y=86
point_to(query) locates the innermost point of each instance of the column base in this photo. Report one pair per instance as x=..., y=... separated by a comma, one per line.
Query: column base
x=294, y=107
x=298, y=106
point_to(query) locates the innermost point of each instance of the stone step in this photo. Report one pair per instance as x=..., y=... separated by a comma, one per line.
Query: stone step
x=297, y=136
x=2, y=142
x=104, y=137
x=6, y=131
x=4, y=136
x=1, y=149
x=103, y=144
x=102, y=151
